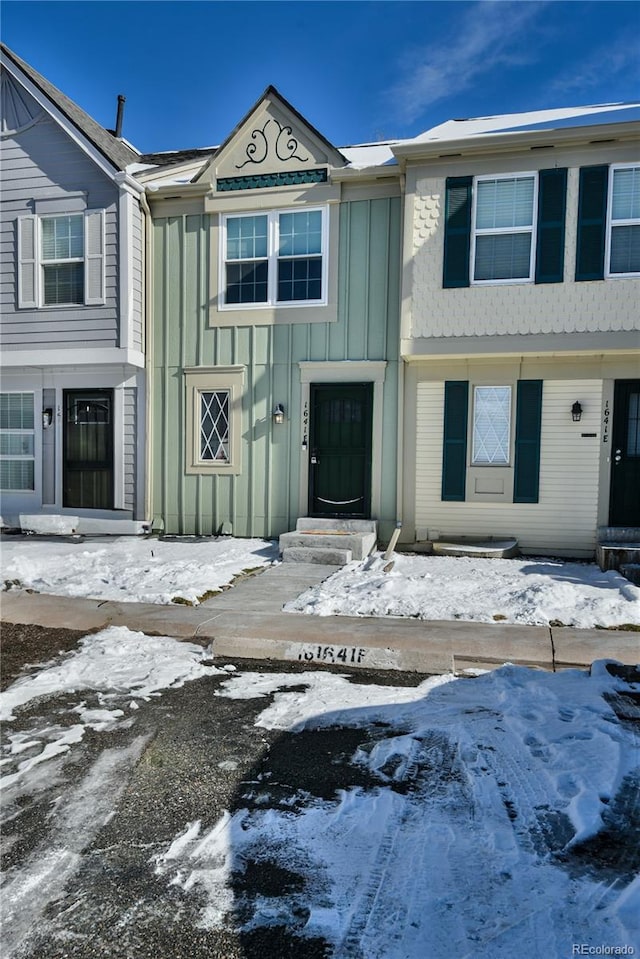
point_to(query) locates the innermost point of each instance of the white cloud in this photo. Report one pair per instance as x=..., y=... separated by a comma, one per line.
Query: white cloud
x=616, y=59
x=487, y=36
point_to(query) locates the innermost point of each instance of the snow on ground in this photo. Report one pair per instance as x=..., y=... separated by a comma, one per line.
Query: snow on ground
x=528, y=591
x=121, y=665
x=131, y=569
x=472, y=837
x=468, y=842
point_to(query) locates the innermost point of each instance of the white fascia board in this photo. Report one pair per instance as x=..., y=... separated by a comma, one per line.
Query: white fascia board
x=516, y=140
x=47, y=359
x=70, y=128
x=126, y=182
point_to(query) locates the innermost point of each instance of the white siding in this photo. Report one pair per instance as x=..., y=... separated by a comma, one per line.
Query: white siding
x=565, y=518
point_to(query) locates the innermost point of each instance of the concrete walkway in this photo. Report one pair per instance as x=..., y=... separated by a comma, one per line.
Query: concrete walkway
x=247, y=622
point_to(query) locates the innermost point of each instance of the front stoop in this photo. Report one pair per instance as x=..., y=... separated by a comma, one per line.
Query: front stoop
x=333, y=542
x=619, y=548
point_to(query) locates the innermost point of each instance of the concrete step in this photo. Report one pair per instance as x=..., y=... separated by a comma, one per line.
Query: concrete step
x=309, y=524
x=488, y=548
x=359, y=544
x=311, y=554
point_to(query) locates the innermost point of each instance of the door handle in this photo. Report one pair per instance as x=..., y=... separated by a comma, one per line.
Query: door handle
x=618, y=456
x=314, y=459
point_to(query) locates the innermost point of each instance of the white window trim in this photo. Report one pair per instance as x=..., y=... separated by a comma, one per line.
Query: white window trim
x=610, y=223
x=496, y=464
x=22, y=456
x=43, y=263
x=533, y=229
x=201, y=379
x=38, y=262
x=272, y=302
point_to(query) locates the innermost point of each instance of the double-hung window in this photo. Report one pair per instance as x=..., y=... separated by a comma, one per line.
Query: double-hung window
x=624, y=221
x=274, y=259
x=62, y=239
x=17, y=441
x=504, y=216
x=61, y=259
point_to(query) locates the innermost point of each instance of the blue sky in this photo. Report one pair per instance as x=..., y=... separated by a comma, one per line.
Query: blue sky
x=358, y=71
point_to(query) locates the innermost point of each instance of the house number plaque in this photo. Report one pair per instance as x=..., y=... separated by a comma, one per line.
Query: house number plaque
x=605, y=425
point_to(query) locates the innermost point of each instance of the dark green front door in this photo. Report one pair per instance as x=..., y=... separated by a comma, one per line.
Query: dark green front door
x=88, y=449
x=340, y=450
x=625, y=455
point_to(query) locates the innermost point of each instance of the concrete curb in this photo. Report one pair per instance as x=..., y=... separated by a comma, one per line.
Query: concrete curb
x=375, y=643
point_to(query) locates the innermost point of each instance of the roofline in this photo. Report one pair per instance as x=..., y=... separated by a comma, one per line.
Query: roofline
x=29, y=75
x=507, y=141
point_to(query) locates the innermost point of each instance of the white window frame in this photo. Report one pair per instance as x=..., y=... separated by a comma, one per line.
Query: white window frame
x=213, y=379
x=474, y=443
x=533, y=229
x=21, y=432
x=611, y=223
x=272, y=258
x=64, y=261
x=93, y=260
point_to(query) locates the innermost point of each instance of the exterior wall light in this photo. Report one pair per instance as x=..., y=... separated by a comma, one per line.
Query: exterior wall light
x=278, y=414
x=47, y=418
x=576, y=412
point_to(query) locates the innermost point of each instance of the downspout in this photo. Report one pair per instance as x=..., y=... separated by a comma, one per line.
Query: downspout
x=148, y=352
x=400, y=412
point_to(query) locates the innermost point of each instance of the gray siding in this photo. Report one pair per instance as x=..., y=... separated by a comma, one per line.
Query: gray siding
x=137, y=269
x=43, y=163
x=129, y=441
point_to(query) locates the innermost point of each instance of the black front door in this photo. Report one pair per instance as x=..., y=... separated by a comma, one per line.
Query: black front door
x=340, y=444
x=624, y=505
x=88, y=449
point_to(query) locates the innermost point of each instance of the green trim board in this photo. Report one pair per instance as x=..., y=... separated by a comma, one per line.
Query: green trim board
x=263, y=180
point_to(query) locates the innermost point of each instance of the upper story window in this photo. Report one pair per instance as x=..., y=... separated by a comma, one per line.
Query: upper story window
x=504, y=228
x=61, y=260
x=274, y=259
x=624, y=221
x=62, y=239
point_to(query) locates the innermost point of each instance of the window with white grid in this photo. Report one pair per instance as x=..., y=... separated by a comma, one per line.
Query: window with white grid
x=624, y=221
x=17, y=441
x=503, y=228
x=213, y=419
x=491, y=425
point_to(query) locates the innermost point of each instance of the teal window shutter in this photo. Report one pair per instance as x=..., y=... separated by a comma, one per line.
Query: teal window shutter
x=457, y=232
x=454, y=451
x=592, y=211
x=552, y=202
x=527, y=459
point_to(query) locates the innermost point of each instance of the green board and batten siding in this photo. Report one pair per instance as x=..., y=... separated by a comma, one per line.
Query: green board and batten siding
x=264, y=500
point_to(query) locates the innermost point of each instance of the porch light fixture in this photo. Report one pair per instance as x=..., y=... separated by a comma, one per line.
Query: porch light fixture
x=576, y=412
x=278, y=414
x=47, y=418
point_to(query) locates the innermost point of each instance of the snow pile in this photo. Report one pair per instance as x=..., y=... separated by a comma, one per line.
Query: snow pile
x=471, y=839
x=132, y=569
x=527, y=591
x=119, y=665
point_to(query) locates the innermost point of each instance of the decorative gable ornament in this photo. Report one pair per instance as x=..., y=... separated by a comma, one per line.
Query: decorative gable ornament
x=272, y=146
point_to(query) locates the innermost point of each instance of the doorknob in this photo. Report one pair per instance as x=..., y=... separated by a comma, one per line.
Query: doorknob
x=618, y=456
x=314, y=459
